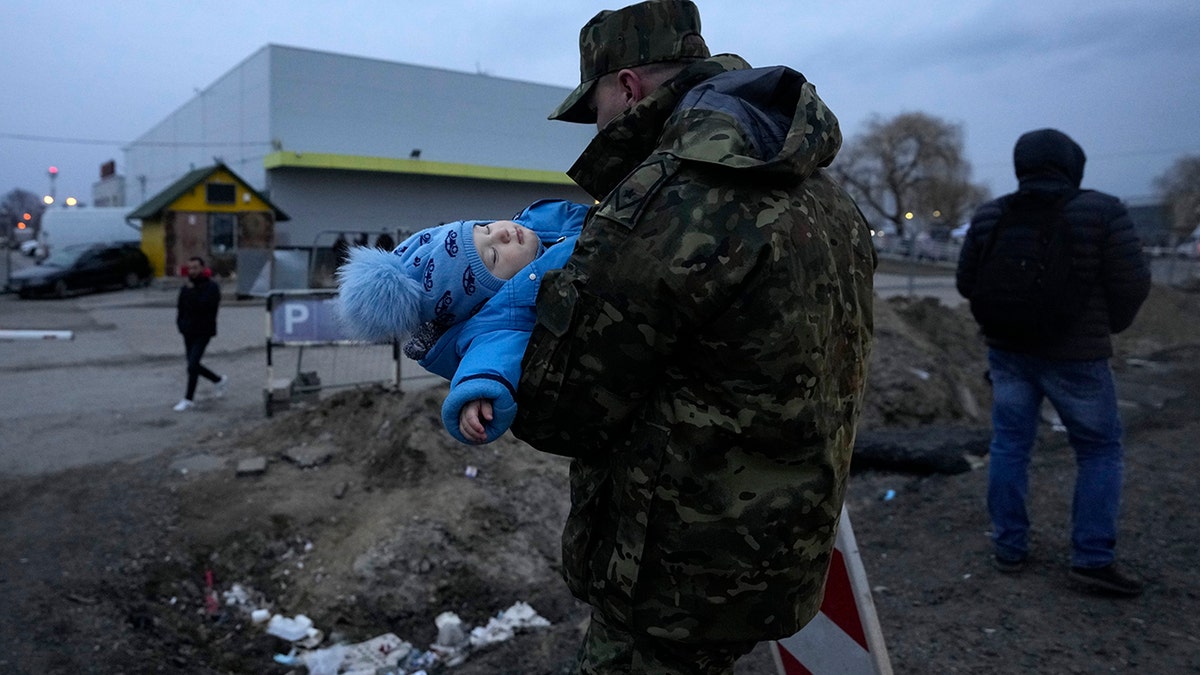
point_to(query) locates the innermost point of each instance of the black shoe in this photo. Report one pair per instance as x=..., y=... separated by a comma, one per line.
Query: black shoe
x=1108, y=578
x=1008, y=565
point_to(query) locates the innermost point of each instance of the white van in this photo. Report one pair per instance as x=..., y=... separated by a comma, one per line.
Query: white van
x=86, y=225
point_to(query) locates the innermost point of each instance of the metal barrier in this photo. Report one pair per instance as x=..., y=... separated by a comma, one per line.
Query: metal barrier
x=308, y=319
x=936, y=279
x=1173, y=270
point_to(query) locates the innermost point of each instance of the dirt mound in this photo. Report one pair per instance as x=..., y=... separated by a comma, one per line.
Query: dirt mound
x=370, y=518
x=395, y=522
x=926, y=367
x=1167, y=321
x=398, y=525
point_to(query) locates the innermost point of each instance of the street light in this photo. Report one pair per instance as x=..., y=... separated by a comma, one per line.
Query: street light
x=71, y=201
x=48, y=200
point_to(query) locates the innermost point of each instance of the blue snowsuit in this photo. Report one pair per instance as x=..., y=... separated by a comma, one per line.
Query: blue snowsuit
x=481, y=356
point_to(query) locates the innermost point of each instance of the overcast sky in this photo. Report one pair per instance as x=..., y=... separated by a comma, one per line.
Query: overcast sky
x=82, y=78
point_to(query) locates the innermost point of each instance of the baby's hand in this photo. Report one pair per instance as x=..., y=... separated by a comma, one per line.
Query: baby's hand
x=473, y=418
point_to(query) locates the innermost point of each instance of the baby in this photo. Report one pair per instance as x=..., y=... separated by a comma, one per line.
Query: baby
x=461, y=296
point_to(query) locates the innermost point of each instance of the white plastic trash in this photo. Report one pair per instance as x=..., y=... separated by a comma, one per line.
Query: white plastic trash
x=325, y=661
x=450, y=630
x=289, y=629
x=517, y=618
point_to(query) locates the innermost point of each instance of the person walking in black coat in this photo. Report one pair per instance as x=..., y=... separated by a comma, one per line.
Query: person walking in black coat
x=196, y=319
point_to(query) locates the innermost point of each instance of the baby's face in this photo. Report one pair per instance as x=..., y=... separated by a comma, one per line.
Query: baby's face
x=505, y=247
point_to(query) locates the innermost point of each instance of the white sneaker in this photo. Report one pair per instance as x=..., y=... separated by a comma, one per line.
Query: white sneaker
x=219, y=386
x=183, y=404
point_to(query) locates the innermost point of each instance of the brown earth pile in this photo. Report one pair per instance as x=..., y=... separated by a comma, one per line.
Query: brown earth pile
x=380, y=522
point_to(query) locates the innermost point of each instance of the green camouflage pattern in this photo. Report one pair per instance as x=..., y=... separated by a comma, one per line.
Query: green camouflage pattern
x=610, y=649
x=702, y=357
x=641, y=34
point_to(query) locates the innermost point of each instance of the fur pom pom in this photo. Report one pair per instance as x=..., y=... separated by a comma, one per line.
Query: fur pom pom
x=377, y=300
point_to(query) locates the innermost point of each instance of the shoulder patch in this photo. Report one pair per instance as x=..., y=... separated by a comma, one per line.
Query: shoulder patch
x=624, y=204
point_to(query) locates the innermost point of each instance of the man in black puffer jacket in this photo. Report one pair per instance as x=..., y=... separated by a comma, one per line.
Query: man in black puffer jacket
x=1070, y=367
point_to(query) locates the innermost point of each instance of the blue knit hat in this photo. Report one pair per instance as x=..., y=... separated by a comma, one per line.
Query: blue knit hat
x=435, y=276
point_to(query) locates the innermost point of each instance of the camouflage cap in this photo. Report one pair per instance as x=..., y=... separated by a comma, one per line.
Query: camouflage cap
x=648, y=32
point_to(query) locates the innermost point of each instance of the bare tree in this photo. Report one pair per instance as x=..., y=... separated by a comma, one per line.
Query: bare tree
x=1179, y=188
x=15, y=205
x=910, y=164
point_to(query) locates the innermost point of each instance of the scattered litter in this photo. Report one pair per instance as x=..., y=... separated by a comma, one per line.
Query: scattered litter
x=923, y=374
x=420, y=661
x=387, y=653
x=290, y=629
x=289, y=659
x=450, y=630
x=210, y=594
x=471, y=472
x=325, y=661
x=512, y=620
x=380, y=654
x=236, y=595
x=889, y=495
x=452, y=642
x=260, y=615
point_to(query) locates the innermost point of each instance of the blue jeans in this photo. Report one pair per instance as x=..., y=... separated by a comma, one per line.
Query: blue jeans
x=1084, y=395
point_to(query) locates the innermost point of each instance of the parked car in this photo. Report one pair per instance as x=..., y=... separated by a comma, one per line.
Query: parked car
x=887, y=240
x=83, y=268
x=936, y=244
x=1189, y=248
x=33, y=248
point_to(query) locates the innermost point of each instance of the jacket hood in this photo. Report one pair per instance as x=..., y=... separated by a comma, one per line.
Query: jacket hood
x=764, y=119
x=1048, y=156
x=718, y=111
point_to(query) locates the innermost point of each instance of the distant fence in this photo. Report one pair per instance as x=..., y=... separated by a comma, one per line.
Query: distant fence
x=299, y=266
x=936, y=278
x=1176, y=271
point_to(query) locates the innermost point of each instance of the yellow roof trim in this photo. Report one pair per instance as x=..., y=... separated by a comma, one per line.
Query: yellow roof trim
x=318, y=160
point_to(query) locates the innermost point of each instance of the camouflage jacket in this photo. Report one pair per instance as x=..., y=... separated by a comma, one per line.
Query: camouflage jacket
x=703, y=355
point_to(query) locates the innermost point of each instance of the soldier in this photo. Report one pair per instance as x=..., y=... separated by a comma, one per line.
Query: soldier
x=702, y=356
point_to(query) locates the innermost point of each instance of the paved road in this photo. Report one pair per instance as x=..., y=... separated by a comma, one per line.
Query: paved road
x=107, y=394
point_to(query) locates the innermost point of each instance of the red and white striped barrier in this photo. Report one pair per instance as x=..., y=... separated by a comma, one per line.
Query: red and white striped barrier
x=844, y=637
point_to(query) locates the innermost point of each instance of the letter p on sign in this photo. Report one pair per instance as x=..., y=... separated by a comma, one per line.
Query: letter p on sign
x=294, y=313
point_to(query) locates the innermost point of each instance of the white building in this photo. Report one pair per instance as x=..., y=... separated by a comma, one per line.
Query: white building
x=344, y=143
